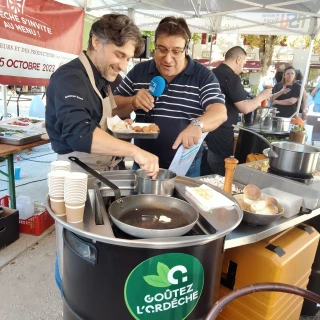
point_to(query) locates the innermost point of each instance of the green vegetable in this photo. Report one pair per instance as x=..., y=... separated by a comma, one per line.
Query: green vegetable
x=297, y=128
x=11, y=130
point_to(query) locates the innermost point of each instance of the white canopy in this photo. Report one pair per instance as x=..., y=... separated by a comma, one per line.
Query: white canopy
x=261, y=17
x=269, y=17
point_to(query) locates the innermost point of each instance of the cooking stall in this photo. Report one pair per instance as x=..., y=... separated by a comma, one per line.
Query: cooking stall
x=106, y=270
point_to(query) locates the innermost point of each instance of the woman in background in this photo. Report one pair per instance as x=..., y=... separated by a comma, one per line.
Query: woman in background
x=286, y=94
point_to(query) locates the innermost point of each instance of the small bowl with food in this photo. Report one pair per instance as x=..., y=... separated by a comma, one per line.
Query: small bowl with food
x=258, y=209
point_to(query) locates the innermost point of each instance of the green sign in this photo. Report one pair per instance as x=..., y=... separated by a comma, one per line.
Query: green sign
x=167, y=287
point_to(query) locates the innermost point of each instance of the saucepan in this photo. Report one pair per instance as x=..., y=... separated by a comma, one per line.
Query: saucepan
x=147, y=215
x=162, y=184
x=291, y=158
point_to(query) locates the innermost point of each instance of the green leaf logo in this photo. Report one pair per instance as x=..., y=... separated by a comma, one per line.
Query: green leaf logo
x=161, y=280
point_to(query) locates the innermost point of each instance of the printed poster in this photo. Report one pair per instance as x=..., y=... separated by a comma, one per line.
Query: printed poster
x=36, y=37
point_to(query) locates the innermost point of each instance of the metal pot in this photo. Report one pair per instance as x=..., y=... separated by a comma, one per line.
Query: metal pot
x=294, y=158
x=280, y=124
x=148, y=209
x=163, y=184
x=291, y=158
x=258, y=115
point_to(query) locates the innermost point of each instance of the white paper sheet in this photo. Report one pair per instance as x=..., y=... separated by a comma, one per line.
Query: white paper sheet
x=184, y=157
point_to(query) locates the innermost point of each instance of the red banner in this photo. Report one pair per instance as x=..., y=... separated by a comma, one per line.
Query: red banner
x=36, y=37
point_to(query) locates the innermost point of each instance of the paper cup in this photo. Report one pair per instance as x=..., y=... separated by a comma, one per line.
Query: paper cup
x=60, y=165
x=58, y=207
x=55, y=198
x=75, y=203
x=75, y=213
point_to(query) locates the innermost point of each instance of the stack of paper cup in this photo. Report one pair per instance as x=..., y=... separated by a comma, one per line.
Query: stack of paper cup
x=60, y=165
x=75, y=195
x=56, y=181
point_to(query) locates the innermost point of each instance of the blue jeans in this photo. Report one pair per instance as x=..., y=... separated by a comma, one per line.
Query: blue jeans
x=57, y=275
x=194, y=170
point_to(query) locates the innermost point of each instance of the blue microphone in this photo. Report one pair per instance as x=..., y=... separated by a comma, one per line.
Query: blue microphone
x=157, y=86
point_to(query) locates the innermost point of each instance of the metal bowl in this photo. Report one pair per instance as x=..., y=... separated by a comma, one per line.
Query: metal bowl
x=162, y=185
x=256, y=219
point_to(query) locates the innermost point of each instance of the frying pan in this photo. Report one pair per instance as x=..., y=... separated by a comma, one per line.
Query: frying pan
x=150, y=212
x=258, y=219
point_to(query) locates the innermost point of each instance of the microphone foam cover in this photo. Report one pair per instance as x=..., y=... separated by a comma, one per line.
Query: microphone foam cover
x=157, y=86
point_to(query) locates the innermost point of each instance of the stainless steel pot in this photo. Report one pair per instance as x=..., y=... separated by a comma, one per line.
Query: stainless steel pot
x=280, y=124
x=259, y=115
x=146, y=210
x=291, y=158
x=294, y=158
x=163, y=184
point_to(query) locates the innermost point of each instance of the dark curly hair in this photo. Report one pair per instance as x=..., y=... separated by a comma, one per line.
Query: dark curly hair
x=117, y=29
x=172, y=26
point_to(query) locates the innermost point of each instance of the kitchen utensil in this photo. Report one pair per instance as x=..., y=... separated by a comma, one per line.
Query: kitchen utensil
x=163, y=184
x=259, y=115
x=145, y=211
x=280, y=124
x=290, y=158
x=257, y=219
x=294, y=158
x=230, y=166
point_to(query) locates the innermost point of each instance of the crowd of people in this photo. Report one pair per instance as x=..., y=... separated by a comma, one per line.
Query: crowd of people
x=196, y=100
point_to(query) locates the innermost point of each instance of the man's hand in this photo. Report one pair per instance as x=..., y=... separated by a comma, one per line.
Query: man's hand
x=266, y=94
x=188, y=137
x=143, y=100
x=147, y=161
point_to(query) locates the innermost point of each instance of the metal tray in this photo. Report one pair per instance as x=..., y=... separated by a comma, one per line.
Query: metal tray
x=19, y=141
x=135, y=135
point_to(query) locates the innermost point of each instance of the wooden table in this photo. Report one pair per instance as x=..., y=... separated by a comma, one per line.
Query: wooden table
x=7, y=151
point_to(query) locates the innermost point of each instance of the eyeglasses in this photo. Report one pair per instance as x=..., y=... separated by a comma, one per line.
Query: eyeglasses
x=162, y=51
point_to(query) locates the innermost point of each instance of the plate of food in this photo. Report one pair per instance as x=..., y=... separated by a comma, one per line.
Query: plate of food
x=258, y=209
x=24, y=123
x=124, y=130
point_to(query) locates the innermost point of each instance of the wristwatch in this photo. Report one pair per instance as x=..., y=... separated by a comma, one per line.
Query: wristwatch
x=197, y=122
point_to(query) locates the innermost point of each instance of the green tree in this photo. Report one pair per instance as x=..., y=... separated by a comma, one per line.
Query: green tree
x=195, y=39
x=266, y=46
x=304, y=42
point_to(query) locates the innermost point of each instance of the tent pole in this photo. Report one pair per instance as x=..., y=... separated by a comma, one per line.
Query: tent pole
x=4, y=99
x=210, y=51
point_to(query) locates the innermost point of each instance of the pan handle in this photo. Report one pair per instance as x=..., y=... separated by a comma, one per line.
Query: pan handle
x=97, y=175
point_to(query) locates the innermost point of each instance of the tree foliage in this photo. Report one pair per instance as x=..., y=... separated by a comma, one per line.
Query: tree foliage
x=266, y=46
x=195, y=38
x=303, y=42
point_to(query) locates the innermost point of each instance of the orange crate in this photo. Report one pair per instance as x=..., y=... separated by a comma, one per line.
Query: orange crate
x=4, y=201
x=36, y=224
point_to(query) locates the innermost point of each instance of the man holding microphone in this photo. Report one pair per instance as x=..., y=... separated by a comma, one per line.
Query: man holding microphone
x=191, y=102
